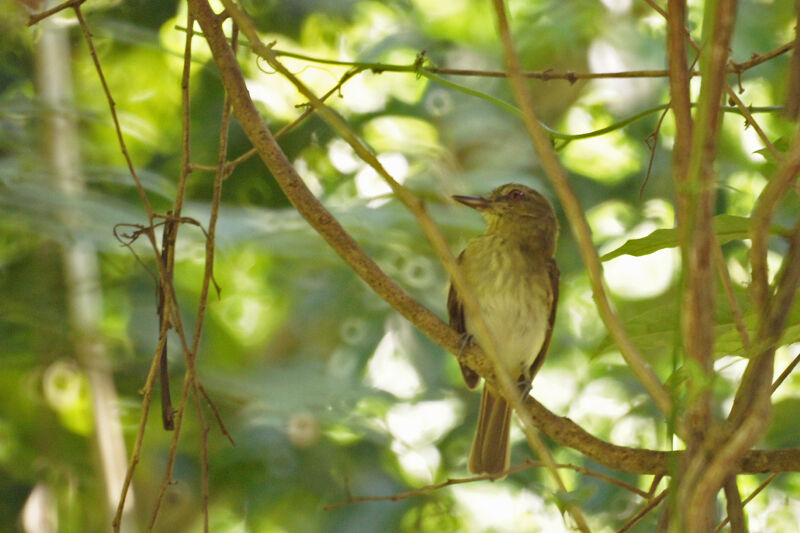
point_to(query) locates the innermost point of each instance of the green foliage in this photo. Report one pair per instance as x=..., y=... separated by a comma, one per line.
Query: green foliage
x=727, y=228
x=328, y=393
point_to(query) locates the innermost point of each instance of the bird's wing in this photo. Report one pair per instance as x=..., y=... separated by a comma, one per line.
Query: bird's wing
x=552, y=271
x=455, y=310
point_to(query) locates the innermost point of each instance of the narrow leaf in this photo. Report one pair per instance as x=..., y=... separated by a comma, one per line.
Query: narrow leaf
x=727, y=227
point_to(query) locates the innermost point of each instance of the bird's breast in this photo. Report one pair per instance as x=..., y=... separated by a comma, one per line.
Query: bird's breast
x=514, y=296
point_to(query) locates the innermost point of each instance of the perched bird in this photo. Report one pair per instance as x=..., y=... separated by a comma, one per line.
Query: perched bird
x=511, y=272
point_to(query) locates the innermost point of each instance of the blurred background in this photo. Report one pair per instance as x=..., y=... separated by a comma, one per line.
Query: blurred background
x=325, y=389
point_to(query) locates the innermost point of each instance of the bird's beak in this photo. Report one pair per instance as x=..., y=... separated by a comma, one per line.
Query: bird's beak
x=475, y=202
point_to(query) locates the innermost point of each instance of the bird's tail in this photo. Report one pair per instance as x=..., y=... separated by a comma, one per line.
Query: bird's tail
x=489, y=453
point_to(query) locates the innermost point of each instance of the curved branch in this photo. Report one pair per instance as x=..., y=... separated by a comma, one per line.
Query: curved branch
x=641, y=461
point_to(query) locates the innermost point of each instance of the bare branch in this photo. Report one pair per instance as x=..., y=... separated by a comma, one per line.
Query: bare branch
x=734, y=506
x=652, y=504
x=38, y=17
x=747, y=500
x=483, y=477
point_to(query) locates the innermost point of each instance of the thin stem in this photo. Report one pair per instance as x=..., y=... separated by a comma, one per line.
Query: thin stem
x=483, y=477
x=753, y=494
x=652, y=504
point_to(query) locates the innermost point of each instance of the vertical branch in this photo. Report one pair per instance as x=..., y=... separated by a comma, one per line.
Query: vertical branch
x=700, y=194
x=208, y=274
x=727, y=284
x=693, y=173
x=679, y=77
x=734, y=506
x=792, y=107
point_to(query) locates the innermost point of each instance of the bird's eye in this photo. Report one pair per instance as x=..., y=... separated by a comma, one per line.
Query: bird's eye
x=516, y=195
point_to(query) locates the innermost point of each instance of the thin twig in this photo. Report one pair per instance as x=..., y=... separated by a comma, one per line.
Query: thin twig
x=652, y=504
x=147, y=394
x=753, y=494
x=652, y=142
x=757, y=59
x=189, y=383
x=208, y=274
x=654, y=485
x=231, y=165
x=186, y=169
x=544, y=75
x=725, y=277
x=38, y=17
x=112, y=106
x=752, y=122
x=483, y=477
x=785, y=374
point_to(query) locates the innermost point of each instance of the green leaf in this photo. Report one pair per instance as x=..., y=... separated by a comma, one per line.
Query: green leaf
x=727, y=227
x=656, y=335
x=781, y=434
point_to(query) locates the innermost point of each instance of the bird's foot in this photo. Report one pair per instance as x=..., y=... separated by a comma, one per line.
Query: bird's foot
x=524, y=386
x=466, y=338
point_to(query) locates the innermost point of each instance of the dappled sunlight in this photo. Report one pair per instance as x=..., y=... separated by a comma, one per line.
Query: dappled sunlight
x=578, y=312
x=390, y=370
x=556, y=387
x=370, y=185
x=742, y=189
x=499, y=508
x=642, y=277
x=599, y=405
x=338, y=392
x=67, y=393
x=620, y=95
x=245, y=317
x=422, y=423
x=730, y=368
x=411, y=135
x=419, y=463
x=635, y=431
x=774, y=511
x=609, y=219
x=609, y=159
x=342, y=157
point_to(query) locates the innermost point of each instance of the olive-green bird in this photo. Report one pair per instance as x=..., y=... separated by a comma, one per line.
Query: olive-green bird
x=511, y=271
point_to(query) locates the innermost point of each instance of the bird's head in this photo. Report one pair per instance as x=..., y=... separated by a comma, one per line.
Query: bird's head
x=514, y=208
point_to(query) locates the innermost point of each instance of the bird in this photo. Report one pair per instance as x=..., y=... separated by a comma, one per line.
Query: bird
x=513, y=275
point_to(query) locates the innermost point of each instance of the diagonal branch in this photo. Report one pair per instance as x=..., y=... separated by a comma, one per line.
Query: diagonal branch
x=305, y=202
x=580, y=227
